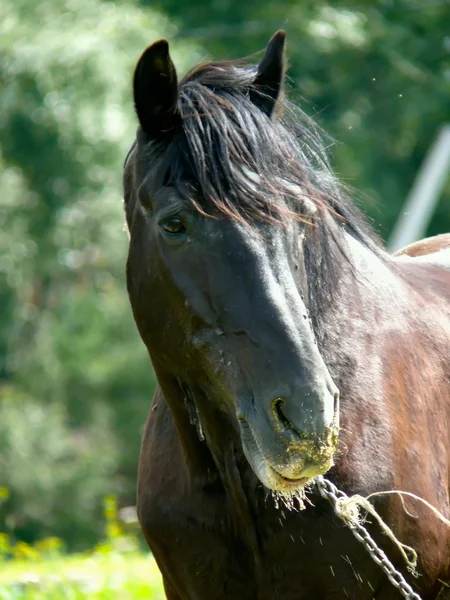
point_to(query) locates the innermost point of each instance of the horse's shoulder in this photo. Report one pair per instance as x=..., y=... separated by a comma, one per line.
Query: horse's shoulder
x=435, y=246
x=180, y=515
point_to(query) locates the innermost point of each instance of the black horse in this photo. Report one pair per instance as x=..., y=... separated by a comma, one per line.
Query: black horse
x=286, y=342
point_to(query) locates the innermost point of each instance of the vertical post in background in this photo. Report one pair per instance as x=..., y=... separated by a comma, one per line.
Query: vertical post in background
x=421, y=202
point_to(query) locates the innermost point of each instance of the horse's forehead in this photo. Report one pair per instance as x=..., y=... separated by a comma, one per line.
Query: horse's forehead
x=254, y=181
x=245, y=174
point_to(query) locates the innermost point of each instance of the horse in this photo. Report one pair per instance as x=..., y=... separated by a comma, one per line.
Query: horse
x=287, y=343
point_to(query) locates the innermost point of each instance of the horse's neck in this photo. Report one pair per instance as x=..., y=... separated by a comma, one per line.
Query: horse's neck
x=370, y=287
x=369, y=300
x=385, y=343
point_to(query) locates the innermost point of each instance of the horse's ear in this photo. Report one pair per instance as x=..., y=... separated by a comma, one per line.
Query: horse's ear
x=155, y=90
x=270, y=76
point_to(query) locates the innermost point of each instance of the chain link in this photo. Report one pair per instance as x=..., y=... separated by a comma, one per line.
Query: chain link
x=331, y=493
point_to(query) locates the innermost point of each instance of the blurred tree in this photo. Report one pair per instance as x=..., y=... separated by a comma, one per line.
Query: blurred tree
x=375, y=75
x=75, y=381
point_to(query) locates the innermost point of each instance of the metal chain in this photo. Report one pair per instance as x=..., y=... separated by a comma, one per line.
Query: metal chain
x=331, y=493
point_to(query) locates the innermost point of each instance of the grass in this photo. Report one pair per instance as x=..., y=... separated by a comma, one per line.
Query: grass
x=113, y=575
x=115, y=569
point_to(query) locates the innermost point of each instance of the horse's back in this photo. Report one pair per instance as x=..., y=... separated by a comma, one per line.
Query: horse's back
x=426, y=265
x=434, y=250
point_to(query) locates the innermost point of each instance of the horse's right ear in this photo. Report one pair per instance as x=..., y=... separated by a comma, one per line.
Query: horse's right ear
x=155, y=90
x=270, y=76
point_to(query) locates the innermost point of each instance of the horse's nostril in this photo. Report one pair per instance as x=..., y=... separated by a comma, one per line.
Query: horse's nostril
x=277, y=407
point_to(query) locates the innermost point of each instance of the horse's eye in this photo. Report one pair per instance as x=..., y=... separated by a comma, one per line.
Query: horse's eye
x=174, y=226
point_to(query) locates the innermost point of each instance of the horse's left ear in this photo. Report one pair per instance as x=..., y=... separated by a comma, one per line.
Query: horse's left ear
x=155, y=88
x=270, y=76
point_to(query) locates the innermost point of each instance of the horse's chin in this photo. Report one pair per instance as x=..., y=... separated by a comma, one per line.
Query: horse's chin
x=278, y=483
x=290, y=468
x=292, y=480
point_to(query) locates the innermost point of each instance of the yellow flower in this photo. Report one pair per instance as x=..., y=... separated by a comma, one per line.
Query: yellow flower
x=50, y=544
x=113, y=530
x=110, y=508
x=25, y=551
x=5, y=545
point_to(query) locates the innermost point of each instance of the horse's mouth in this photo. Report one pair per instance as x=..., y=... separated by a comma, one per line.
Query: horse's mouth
x=293, y=484
x=290, y=475
x=280, y=481
x=286, y=468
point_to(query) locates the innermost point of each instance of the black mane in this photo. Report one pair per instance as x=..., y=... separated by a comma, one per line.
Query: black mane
x=223, y=127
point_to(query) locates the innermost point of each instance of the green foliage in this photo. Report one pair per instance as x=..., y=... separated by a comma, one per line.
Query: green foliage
x=75, y=379
x=92, y=577
x=55, y=474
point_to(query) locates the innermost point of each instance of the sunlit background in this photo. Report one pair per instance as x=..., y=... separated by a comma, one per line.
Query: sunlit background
x=75, y=381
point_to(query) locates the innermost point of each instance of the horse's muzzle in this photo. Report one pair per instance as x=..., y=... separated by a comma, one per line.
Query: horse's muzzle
x=286, y=460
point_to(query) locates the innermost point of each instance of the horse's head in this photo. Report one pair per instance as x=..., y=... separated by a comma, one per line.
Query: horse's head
x=219, y=196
